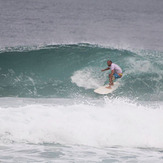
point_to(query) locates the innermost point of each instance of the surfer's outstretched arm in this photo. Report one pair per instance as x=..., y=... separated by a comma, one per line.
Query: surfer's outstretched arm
x=105, y=69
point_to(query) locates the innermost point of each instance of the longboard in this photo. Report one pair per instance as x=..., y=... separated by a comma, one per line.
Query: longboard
x=103, y=90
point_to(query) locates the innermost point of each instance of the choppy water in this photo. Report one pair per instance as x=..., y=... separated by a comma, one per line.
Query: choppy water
x=51, y=56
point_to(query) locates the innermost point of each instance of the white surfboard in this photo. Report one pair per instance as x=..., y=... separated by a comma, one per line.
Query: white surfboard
x=103, y=90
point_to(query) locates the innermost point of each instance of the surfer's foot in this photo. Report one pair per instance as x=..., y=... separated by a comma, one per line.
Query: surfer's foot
x=109, y=87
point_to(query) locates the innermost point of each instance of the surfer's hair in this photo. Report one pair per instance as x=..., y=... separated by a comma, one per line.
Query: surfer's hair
x=109, y=61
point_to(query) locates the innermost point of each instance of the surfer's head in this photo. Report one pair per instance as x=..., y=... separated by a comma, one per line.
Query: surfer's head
x=109, y=62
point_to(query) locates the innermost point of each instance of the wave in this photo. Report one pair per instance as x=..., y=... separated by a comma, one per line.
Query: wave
x=75, y=70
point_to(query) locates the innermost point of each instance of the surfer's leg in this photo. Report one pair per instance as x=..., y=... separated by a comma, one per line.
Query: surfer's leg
x=110, y=80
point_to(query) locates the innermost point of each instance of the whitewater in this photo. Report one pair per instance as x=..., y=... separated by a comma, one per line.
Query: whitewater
x=51, y=57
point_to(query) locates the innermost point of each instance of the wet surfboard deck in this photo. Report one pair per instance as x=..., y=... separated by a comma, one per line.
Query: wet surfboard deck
x=103, y=90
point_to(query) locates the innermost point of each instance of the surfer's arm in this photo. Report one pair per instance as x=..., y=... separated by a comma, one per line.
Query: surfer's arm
x=105, y=69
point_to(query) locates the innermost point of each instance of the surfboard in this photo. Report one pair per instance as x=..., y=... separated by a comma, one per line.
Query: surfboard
x=103, y=90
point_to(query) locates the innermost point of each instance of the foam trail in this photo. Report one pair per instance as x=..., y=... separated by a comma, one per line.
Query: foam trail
x=92, y=76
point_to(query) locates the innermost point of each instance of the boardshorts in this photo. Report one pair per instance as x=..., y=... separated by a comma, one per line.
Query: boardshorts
x=117, y=75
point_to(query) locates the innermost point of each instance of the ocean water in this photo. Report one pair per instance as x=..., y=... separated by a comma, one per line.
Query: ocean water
x=51, y=56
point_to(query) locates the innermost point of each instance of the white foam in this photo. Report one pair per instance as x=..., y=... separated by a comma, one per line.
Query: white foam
x=111, y=122
x=89, y=78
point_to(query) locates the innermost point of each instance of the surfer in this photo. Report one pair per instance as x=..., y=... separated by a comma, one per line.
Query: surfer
x=116, y=72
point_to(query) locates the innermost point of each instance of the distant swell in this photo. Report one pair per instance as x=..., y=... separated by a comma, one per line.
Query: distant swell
x=75, y=70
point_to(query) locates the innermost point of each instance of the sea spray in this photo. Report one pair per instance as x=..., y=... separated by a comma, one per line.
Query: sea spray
x=111, y=122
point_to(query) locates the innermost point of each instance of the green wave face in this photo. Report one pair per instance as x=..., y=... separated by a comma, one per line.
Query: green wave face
x=75, y=70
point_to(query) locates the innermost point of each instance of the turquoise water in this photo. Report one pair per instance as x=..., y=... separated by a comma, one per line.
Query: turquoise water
x=68, y=71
